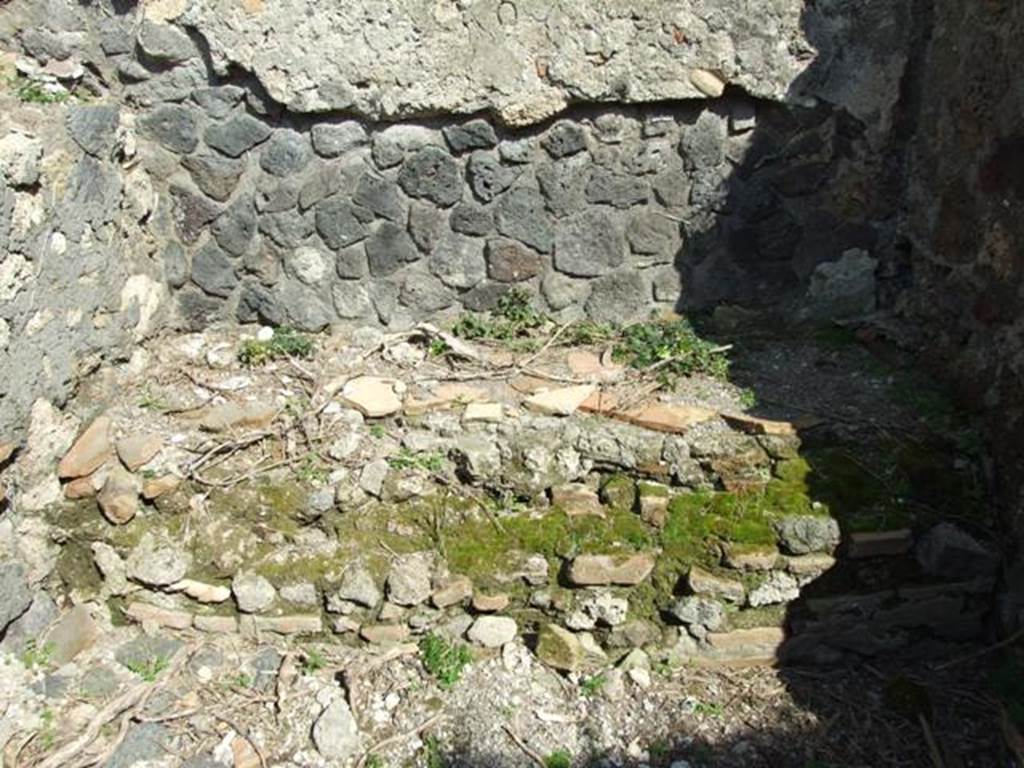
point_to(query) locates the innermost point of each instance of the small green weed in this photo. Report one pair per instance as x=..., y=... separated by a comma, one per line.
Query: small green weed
x=672, y=348
x=312, y=469
x=377, y=431
x=48, y=730
x=589, y=686
x=241, y=680
x=437, y=347
x=748, y=398
x=560, y=758
x=32, y=92
x=444, y=660
x=659, y=750
x=434, y=752
x=708, y=709
x=374, y=761
x=512, y=318
x=148, y=669
x=313, y=661
x=151, y=401
x=286, y=342
x=428, y=461
x=33, y=655
x=586, y=332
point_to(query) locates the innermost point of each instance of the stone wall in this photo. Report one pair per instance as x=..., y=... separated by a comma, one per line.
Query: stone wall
x=609, y=214
x=964, y=225
x=705, y=161
x=75, y=283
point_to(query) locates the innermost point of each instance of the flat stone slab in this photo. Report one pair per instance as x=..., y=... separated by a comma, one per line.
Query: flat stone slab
x=603, y=570
x=372, y=396
x=563, y=401
x=90, y=450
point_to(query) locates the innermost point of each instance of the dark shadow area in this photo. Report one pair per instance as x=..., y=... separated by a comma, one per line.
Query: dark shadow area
x=886, y=657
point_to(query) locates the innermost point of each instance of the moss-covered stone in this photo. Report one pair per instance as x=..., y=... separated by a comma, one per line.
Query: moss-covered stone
x=559, y=648
x=619, y=492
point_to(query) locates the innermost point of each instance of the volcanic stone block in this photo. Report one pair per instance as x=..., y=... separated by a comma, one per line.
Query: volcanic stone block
x=335, y=139
x=213, y=270
x=388, y=248
x=588, y=244
x=521, y=215
x=476, y=134
x=564, y=139
x=337, y=223
x=511, y=262
x=237, y=135
x=433, y=174
x=216, y=176
x=380, y=196
x=488, y=177
x=174, y=126
x=459, y=261
x=286, y=153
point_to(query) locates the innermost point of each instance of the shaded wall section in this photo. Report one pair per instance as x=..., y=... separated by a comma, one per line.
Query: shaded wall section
x=963, y=221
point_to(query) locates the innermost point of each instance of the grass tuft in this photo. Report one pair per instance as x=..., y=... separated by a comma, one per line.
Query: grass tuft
x=444, y=660
x=286, y=342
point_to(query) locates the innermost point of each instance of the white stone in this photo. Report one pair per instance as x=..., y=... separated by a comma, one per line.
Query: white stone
x=19, y=159
x=492, y=631
x=15, y=270
x=50, y=435
x=253, y=593
x=777, y=588
x=488, y=413
x=371, y=479
x=307, y=265
x=200, y=591
x=336, y=732
x=147, y=294
x=157, y=563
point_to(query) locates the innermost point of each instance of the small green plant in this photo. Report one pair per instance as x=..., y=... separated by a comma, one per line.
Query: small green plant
x=313, y=661
x=151, y=401
x=672, y=348
x=586, y=332
x=512, y=318
x=148, y=669
x=748, y=398
x=312, y=469
x=589, y=686
x=374, y=761
x=377, y=431
x=428, y=461
x=32, y=92
x=659, y=750
x=444, y=660
x=435, y=753
x=34, y=655
x=47, y=731
x=438, y=347
x=241, y=680
x=708, y=709
x=560, y=758
x=285, y=342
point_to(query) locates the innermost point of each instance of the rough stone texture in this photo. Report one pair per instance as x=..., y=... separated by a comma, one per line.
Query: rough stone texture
x=15, y=595
x=964, y=187
x=492, y=631
x=409, y=580
x=336, y=732
x=429, y=60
